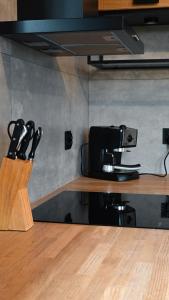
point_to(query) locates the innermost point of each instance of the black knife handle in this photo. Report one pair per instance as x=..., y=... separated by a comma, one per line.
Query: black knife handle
x=36, y=139
x=21, y=154
x=18, y=128
x=20, y=121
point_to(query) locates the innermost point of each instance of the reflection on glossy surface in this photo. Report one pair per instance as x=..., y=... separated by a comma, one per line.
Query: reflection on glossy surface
x=109, y=209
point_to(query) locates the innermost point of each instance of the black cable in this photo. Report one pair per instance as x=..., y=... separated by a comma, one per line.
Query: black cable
x=158, y=175
x=82, y=158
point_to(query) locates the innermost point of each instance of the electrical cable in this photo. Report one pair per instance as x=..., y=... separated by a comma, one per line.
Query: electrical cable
x=82, y=160
x=153, y=174
x=159, y=175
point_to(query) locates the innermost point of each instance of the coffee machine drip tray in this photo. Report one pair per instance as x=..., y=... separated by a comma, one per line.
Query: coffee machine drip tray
x=118, y=175
x=109, y=209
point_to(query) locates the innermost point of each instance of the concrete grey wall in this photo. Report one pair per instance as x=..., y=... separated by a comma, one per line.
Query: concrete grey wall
x=137, y=98
x=53, y=93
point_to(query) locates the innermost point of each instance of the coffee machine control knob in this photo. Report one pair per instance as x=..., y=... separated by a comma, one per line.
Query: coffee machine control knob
x=123, y=127
x=129, y=138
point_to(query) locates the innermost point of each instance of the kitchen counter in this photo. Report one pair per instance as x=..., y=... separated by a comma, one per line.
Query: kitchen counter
x=145, y=184
x=62, y=261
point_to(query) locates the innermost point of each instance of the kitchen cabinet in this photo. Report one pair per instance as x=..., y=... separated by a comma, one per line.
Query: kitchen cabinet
x=128, y=4
x=8, y=10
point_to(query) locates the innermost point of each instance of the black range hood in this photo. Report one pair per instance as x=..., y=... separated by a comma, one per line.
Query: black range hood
x=70, y=28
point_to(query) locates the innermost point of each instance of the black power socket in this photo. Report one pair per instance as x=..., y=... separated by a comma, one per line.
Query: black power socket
x=68, y=140
x=166, y=136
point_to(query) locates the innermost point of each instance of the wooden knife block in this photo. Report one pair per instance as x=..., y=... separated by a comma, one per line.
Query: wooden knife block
x=15, y=209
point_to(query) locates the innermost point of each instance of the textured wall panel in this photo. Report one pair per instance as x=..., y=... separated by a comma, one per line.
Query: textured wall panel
x=54, y=93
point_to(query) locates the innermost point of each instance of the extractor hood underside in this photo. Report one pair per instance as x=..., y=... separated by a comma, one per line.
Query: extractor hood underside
x=75, y=37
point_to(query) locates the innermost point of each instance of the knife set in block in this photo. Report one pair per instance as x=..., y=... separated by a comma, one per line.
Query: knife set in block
x=15, y=171
x=15, y=210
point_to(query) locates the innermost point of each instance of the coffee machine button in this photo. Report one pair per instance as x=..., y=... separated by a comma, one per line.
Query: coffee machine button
x=123, y=127
x=129, y=138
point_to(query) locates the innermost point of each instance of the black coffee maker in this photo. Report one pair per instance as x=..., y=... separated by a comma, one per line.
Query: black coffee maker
x=106, y=145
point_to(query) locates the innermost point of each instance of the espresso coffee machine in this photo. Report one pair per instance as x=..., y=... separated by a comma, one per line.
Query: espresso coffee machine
x=106, y=145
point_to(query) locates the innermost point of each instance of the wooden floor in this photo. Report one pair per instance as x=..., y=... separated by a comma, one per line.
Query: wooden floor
x=75, y=262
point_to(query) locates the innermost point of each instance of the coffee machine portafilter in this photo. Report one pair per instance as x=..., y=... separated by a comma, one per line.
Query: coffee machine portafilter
x=106, y=145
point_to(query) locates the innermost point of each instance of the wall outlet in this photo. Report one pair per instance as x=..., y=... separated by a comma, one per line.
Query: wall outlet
x=166, y=136
x=68, y=140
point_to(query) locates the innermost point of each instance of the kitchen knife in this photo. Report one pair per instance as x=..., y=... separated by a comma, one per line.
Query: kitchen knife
x=24, y=132
x=16, y=137
x=36, y=139
x=21, y=154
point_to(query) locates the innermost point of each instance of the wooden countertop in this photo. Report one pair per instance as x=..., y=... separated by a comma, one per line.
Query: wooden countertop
x=61, y=261
x=109, y=5
x=145, y=184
